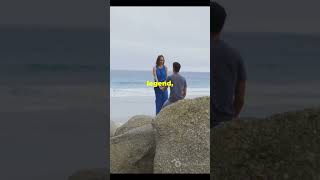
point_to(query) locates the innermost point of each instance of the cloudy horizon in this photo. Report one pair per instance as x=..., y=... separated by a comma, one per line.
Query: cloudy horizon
x=139, y=34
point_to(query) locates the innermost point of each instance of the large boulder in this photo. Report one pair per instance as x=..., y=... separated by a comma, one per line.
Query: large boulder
x=133, y=151
x=134, y=122
x=182, y=137
x=283, y=146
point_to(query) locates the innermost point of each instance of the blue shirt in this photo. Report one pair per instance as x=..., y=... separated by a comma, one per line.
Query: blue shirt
x=227, y=69
x=179, y=85
x=161, y=73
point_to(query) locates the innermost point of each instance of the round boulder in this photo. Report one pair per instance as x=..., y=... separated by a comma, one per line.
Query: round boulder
x=182, y=137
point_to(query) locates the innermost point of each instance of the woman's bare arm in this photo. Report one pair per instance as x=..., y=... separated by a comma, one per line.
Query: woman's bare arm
x=239, y=97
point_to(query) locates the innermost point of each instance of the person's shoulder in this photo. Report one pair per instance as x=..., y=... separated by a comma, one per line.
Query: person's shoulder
x=228, y=47
x=182, y=77
x=231, y=51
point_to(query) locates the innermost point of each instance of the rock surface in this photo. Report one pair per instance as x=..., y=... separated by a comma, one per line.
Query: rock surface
x=283, y=146
x=113, y=128
x=133, y=145
x=134, y=122
x=182, y=137
x=133, y=151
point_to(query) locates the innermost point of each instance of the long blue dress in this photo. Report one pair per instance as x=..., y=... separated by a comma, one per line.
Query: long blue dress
x=161, y=96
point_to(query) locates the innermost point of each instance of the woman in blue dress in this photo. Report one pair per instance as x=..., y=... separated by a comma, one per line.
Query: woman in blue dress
x=160, y=73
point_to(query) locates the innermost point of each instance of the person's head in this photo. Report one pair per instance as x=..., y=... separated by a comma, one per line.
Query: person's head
x=218, y=17
x=176, y=67
x=160, y=60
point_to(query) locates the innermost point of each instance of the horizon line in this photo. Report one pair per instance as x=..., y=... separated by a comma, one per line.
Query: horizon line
x=150, y=70
x=4, y=27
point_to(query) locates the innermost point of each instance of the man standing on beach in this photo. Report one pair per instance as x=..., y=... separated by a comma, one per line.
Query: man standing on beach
x=228, y=72
x=178, y=90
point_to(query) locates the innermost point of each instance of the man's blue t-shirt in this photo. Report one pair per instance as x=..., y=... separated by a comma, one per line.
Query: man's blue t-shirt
x=227, y=69
x=179, y=85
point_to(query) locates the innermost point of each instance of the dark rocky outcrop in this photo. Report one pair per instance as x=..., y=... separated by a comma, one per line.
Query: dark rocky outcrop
x=283, y=146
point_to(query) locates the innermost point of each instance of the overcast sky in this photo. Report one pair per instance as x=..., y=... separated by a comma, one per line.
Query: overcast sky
x=139, y=34
x=245, y=15
x=53, y=13
x=293, y=16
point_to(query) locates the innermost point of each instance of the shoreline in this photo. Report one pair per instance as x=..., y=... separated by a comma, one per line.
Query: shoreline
x=130, y=104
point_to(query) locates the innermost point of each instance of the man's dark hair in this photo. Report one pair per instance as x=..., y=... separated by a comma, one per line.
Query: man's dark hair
x=217, y=17
x=176, y=67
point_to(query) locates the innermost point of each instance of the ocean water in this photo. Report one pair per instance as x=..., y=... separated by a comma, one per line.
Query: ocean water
x=133, y=83
x=278, y=57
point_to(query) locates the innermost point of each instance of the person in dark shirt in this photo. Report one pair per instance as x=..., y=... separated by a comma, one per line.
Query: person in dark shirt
x=228, y=72
x=179, y=89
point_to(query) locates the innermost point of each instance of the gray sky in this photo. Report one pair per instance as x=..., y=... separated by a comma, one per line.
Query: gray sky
x=293, y=16
x=139, y=34
x=245, y=15
x=53, y=13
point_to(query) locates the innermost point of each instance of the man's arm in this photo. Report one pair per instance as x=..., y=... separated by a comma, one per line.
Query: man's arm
x=239, y=97
x=184, y=93
x=240, y=89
